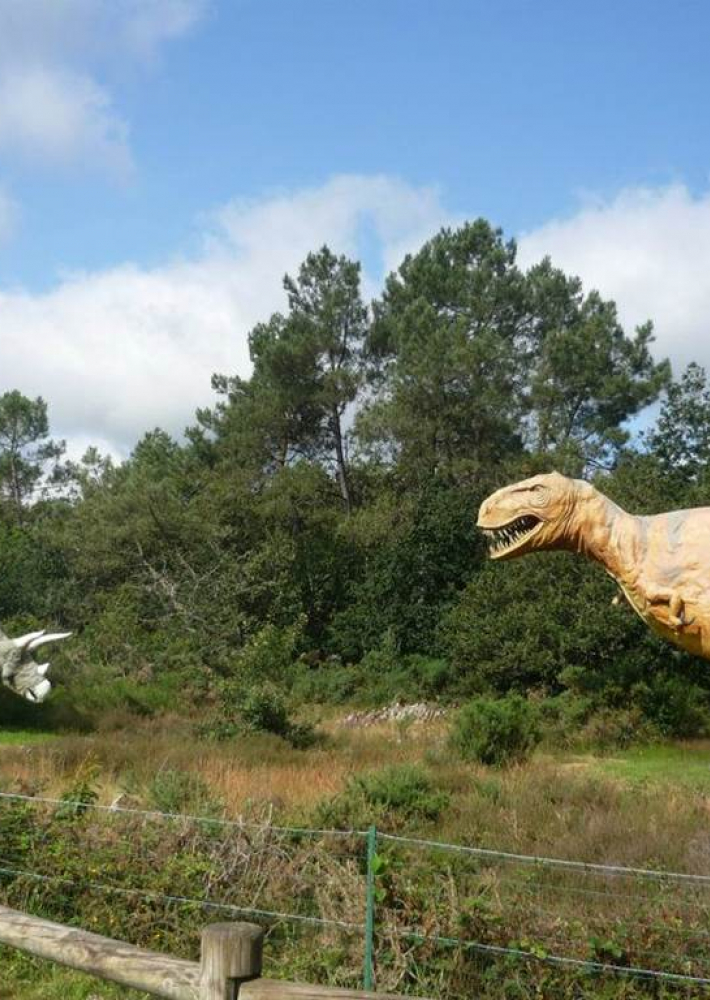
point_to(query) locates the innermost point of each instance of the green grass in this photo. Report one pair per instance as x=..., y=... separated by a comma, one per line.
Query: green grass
x=23, y=737
x=642, y=807
x=27, y=978
x=676, y=764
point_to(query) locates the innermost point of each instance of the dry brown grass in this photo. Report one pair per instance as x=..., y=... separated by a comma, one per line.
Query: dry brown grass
x=555, y=806
x=242, y=771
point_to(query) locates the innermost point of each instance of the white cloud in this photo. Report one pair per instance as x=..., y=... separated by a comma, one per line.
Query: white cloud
x=276, y=233
x=54, y=106
x=63, y=117
x=118, y=352
x=8, y=215
x=649, y=250
x=51, y=30
x=146, y=24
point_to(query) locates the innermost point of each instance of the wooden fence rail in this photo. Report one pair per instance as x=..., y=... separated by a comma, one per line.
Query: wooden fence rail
x=230, y=964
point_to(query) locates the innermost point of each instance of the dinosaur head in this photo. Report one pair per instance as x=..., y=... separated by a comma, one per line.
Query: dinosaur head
x=18, y=668
x=530, y=515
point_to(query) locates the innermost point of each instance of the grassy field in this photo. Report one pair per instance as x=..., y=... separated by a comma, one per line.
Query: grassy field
x=645, y=807
x=684, y=765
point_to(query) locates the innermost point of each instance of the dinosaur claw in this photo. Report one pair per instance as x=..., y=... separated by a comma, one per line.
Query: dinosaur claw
x=677, y=622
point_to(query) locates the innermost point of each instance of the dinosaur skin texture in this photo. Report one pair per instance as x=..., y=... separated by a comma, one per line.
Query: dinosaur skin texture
x=661, y=563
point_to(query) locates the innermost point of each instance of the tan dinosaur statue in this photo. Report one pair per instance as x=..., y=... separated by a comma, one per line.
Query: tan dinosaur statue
x=661, y=563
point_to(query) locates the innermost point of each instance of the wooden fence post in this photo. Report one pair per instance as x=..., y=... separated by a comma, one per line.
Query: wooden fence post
x=231, y=954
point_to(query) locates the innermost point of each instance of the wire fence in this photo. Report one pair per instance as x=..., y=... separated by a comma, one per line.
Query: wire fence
x=388, y=911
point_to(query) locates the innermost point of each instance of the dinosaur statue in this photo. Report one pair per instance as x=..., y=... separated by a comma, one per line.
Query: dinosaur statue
x=18, y=669
x=661, y=563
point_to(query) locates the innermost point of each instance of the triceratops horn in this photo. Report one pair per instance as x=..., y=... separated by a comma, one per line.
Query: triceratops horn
x=42, y=638
x=25, y=640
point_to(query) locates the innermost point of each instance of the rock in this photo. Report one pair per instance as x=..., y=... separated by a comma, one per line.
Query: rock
x=420, y=711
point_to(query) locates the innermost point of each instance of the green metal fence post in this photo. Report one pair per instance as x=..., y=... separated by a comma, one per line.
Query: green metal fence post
x=368, y=970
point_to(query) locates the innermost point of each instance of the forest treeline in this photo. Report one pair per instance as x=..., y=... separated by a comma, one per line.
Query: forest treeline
x=314, y=531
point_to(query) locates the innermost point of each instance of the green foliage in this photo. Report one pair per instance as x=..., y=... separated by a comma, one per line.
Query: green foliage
x=587, y=376
x=681, y=438
x=326, y=504
x=258, y=708
x=449, y=332
x=25, y=450
x=332, y=683
x=496, y=731
x=418, y=550
x=615, y=729
x=269, y=654
x=175, y=791
x=547, y=623
x=80, y=796
x=391, y=797
x=674, y=706
x=264, y=710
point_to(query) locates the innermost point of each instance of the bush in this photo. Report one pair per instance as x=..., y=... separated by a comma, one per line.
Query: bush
x=258, y=708
x=615, y=729
x=174, y=791
x=496, y=731
x=329, y=684
x=677, y=707
x=405, y=789
x=263, y=709
x=666, y=706
x=269, y=653
x=563, y=717
x=392, y=796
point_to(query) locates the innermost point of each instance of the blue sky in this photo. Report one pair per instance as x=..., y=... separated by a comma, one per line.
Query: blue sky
x=162, y=162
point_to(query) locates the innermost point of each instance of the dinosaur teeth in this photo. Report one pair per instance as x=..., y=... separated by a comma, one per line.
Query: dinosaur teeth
x=500, y=539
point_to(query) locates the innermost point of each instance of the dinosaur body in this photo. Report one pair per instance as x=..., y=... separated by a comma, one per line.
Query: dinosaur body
x=661, y=563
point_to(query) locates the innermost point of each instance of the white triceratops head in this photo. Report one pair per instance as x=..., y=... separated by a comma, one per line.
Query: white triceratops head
x=18, y=668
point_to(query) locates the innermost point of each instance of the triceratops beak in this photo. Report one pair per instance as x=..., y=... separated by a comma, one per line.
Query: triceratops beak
x=39, y=692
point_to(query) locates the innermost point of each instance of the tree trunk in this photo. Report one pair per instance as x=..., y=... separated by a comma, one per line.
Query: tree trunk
x=15, y=489
x=340, y=460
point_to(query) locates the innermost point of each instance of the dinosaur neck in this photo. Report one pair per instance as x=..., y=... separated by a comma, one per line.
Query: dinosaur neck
x=602, y=531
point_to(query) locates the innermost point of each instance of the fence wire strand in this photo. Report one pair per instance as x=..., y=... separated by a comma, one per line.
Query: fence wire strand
x=240, y=824
x=501, y=879
x=207, y=904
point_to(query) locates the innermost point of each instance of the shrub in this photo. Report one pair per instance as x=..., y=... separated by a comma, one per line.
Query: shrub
x=614, y=729
x=392, y=796
x=263, y=709
x=79, y=797
x=674, y=705
x=496, y=731
x=329, y=684
x=563, y=717
x=270, y=653
x=174, y=791
x=257, y=708
x=405, y=789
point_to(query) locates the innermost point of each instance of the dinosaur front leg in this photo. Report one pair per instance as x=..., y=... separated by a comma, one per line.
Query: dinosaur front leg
x=677, y=618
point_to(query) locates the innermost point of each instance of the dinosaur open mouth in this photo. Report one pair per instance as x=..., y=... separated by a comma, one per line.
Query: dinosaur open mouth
x=503, y=540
